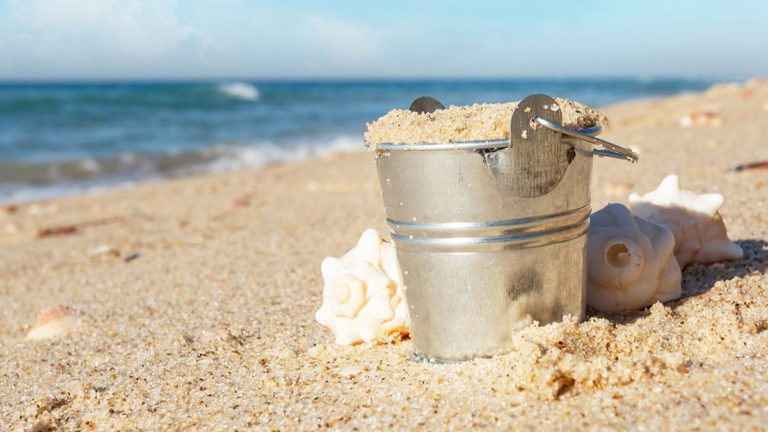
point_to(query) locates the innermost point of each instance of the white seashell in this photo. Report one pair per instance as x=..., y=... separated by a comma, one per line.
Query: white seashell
x=363, y=292
x=701, y=118
x=52, y=322
x=699, y=231
x=630, y=264
x=102, y=250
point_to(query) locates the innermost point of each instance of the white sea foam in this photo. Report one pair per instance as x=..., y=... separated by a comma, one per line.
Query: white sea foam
x=126, y=169
x=19, y=193
x=240, y=90
x=232, y=158
x=91, y=165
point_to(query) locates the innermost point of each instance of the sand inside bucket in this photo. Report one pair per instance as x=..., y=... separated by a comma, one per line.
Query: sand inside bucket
x=478, y=122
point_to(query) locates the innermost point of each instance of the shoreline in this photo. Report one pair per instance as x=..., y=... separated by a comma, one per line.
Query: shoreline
x=196, y=300
x=220, y=159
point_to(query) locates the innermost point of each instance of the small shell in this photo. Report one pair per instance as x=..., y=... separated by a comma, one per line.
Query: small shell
x=701, y=118
x=630, y=264
x=103, y=250
x=699, y=231
x=52, y=322
x=363, y=293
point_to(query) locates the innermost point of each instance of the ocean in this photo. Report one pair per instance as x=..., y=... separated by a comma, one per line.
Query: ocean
x=67, y=138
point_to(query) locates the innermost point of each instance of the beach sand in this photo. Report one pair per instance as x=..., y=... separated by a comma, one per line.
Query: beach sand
x=196, y=300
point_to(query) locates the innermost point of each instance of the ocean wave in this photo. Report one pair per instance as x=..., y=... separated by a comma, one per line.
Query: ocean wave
x=24, y=181
x=224, y=158
x=240, y=90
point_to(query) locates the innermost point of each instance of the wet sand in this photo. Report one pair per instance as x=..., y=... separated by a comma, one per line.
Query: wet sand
x=196, y=300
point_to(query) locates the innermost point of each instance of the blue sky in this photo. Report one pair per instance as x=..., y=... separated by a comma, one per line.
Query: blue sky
x=118, y=39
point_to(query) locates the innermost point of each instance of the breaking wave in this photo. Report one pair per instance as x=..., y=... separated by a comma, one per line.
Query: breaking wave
x=240, y=90
x=23, y=181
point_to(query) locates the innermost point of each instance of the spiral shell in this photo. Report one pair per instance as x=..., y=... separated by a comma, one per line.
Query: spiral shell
x=630, y=264
x=363, y=292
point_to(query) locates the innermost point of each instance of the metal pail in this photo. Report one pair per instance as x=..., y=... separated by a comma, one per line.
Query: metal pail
x=490, y=236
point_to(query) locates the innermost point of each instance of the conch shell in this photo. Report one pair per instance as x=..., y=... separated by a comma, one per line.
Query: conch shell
x=363, y=292
x=630, y=264
x=699, y=231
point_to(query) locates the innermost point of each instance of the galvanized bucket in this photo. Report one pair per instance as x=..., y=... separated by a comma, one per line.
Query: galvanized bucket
x=490, y=236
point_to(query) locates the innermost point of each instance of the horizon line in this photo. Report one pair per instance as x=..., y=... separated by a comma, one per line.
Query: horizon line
x=78, y=80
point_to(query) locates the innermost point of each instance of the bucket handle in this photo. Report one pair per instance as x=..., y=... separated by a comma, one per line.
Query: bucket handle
x=609, y=149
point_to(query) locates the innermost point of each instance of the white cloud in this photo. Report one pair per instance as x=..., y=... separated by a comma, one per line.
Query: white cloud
x=342, y=42
x=88, y=37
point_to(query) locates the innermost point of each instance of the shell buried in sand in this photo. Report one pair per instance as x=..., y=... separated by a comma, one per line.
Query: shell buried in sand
x=53, y=322
x=630, y=261
x=694, y=219
x=363, y=292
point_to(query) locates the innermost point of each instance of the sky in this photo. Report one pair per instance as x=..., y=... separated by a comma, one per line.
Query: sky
x=198, y=39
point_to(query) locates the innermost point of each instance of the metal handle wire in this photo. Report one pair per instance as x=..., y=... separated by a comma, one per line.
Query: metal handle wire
x=609, y=149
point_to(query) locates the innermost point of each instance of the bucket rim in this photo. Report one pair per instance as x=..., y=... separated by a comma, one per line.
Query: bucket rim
x=459, y=145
